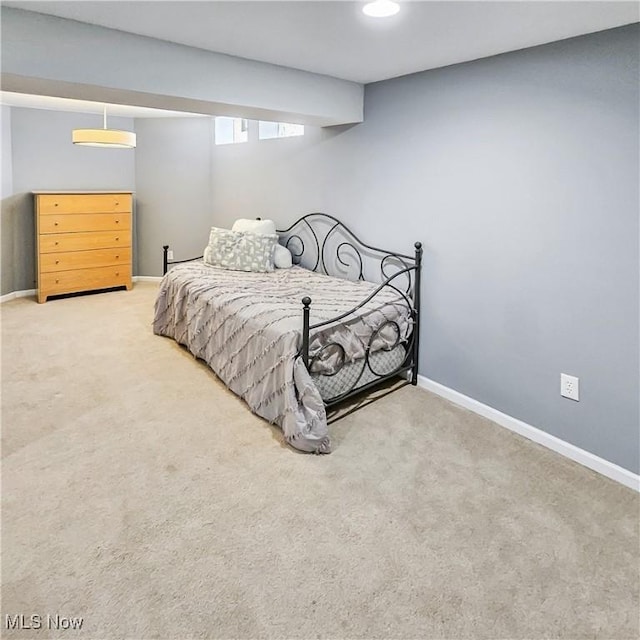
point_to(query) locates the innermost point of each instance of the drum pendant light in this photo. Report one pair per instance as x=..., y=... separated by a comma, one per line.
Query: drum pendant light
x=109, y=138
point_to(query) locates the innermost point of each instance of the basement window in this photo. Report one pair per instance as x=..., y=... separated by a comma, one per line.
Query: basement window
x=269, y=130
x=231, y=130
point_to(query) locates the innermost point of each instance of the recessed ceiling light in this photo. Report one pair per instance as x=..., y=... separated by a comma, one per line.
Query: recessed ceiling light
x=381, y=8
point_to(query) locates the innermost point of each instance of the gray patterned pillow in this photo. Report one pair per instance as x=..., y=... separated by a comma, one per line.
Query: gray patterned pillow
x=241, y=250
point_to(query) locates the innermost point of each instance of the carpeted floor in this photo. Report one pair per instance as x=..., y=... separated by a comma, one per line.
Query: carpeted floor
x=142, y=496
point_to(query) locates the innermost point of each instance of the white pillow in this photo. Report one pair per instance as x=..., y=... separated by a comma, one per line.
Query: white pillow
x=282, y=257
x=263, y=227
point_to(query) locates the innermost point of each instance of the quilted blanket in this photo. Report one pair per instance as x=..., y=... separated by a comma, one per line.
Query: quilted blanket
x=248, y=328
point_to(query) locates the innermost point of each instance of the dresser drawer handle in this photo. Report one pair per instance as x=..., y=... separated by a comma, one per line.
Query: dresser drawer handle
x=117, y=257
x=55, y=224
x=117, y=203
x=117, y=239
x=117, y=221
x=57, y=261
x=56, y=244
x=117, y=273
x=55, y=204
x=57, y=281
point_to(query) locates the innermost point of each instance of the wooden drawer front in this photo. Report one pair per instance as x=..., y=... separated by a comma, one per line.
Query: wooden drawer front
x=84, y=203
x=83, y=259
x=93, y=222
x=84, y=279
x=79, y=241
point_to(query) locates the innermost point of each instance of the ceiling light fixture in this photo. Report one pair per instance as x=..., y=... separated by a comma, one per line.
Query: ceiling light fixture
x=110, y=138
x=381, y=8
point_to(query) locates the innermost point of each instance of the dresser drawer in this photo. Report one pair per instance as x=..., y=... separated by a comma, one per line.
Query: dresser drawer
x=83, y=259
x=84, y=203
x=54, y=243
x=84, y=279
x=93, y=222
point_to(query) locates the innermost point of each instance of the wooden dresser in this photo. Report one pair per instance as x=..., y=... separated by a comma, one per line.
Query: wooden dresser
x=83, y=241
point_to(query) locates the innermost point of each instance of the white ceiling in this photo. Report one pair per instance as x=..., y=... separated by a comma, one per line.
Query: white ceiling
x=335, y=38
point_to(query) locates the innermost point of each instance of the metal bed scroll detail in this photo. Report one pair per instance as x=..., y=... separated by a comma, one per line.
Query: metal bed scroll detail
x=320, y=242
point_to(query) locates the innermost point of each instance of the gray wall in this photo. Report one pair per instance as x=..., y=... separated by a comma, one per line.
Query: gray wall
x=6, y=228
x=185, y=183
x=7, y=164
x=173, y=182
x=283, y=178
x=44, y=158
x=520, y=175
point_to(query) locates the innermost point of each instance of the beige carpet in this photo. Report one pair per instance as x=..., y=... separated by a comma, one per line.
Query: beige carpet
x=143, y=497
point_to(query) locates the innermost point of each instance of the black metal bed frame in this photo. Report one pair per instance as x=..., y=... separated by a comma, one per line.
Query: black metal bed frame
x=325, y=233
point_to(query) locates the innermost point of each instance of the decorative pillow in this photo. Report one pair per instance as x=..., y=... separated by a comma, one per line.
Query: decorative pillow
x=264, y=227
x=241, y=251
x=282, y=257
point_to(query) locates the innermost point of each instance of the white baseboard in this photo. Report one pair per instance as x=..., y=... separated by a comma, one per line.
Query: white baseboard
x=602, y=466
x=17, y=294
x=32, y=292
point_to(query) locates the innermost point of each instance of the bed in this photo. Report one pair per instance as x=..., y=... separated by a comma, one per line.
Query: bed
x=294, y=342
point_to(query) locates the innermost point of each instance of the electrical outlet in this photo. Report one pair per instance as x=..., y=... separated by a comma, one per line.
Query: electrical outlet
x=570, y=387
x=169, y=255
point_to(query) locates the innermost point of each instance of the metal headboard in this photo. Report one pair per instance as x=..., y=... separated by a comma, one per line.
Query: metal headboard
x=325, y=233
